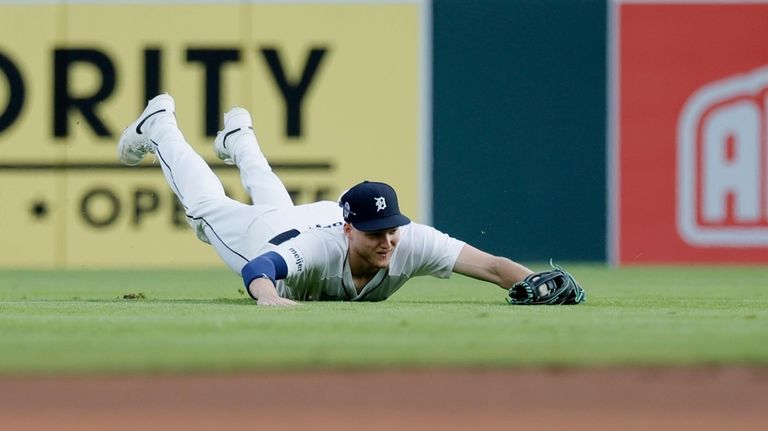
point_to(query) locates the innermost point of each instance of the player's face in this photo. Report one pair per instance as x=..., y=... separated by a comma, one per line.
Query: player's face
x=373, y=249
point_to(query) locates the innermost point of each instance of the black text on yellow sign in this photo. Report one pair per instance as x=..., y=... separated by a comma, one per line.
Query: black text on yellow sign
x=212, y=61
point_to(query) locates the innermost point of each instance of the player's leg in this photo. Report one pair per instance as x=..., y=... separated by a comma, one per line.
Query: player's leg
x=237, y=144
x=156, y=132
x=216, y=218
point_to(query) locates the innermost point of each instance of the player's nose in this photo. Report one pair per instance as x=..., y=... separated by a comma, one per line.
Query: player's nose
x=389, y=240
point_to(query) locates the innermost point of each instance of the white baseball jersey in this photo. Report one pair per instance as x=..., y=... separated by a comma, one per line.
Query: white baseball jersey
x=318, y=268
x=317, y=258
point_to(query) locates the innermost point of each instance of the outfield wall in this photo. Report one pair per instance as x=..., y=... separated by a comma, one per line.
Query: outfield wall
x=632, y=131
x=335, y=89
x=626, y=131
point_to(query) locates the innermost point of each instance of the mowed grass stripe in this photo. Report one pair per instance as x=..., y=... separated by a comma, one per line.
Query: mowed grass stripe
x=198, y=321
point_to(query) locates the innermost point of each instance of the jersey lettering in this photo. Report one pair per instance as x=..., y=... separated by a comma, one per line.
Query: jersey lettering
x=298, y=259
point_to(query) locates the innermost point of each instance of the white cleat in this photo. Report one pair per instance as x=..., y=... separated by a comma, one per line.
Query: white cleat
x=236, y=122
x=134, y=142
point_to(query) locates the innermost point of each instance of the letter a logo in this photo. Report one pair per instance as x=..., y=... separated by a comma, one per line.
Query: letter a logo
x=722, y=165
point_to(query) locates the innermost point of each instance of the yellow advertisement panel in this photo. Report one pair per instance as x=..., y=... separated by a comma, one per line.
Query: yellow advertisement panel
x=334, y=90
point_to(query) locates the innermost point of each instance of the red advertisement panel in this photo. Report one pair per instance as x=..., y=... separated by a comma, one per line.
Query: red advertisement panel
x=692, y=147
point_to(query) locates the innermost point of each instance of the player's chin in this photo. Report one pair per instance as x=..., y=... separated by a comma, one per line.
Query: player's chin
x=382, y=260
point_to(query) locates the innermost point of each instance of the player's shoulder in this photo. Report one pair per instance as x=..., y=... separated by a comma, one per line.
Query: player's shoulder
x=325, y=237
x=416, y=237
x=416, y=230
x=332, y=231
x=313, y=247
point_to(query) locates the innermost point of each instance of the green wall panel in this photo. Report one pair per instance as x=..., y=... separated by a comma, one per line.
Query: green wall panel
x=519, y=126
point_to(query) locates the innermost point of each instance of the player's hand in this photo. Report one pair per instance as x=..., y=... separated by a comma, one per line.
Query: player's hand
x=277, y=302
x=266, y=294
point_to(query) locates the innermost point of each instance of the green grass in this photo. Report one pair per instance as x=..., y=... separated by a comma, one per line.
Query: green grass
x=78, y=322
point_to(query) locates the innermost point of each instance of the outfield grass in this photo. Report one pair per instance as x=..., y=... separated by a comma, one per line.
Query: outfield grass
x=78, y=321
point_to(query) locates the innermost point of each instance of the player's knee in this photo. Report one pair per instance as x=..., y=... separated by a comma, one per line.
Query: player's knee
x=198, y=226
x=201, y=205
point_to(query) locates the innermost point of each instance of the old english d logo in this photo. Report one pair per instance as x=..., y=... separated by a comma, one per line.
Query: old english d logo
x=722, y=163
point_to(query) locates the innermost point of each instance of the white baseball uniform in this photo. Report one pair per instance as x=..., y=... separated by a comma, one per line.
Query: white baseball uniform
x=318, y=268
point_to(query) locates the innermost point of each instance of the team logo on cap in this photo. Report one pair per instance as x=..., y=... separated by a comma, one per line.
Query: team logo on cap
x=381, y=203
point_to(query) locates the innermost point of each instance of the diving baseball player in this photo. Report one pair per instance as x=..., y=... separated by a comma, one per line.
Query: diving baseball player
x=358, y=249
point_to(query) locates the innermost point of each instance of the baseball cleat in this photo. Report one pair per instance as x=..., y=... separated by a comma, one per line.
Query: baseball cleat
x=236, y=122
x=134, y=142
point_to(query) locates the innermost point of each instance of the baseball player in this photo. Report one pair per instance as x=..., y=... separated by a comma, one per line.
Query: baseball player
x=360, y=248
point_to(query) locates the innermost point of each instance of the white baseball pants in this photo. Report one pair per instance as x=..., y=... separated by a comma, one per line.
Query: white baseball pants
x=237, y=231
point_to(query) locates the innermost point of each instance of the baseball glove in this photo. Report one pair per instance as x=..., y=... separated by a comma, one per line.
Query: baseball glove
x=553, y=287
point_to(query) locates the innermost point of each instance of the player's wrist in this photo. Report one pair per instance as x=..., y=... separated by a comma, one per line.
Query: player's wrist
x=262, y=287
x=265, y=276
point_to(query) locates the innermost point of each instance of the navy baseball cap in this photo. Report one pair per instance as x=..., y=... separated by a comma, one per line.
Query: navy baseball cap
x=371, y=206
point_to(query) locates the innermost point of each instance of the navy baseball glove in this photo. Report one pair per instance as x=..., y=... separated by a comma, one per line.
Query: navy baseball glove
x=553, y=287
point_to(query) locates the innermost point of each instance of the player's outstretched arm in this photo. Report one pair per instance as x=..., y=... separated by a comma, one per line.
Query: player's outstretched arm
x=494, y=269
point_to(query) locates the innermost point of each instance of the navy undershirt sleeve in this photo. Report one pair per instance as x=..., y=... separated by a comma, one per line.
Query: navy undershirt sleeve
x=269, y=264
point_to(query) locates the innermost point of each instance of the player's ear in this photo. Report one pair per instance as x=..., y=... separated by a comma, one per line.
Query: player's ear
x=347, y=230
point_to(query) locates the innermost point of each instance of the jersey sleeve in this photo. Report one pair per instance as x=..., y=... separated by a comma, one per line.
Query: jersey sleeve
x=433, y=252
